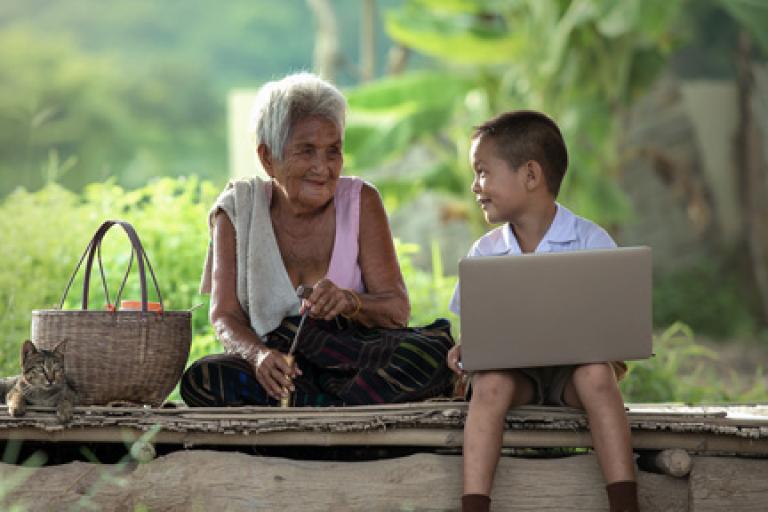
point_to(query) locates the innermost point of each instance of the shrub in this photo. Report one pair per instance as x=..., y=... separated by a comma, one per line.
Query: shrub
x=707, y=295
x=683, y=371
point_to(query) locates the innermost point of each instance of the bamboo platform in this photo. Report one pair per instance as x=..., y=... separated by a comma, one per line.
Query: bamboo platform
x=689, y=459
x=706, y=430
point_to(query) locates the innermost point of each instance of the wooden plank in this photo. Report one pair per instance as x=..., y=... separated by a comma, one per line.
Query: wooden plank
x=205, y=480
x=638, y=411
x=731, y=484
x=447, y=416
x=433, y=424
x=424, y=437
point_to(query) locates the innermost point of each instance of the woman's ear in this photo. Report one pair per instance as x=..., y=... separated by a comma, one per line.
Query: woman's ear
x=265, y=157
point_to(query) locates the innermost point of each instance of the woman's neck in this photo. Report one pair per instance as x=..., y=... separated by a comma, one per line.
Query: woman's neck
x=295, y=220
x=283, y=207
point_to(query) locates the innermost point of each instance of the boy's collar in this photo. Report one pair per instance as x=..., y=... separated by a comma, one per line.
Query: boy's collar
x=562, y=230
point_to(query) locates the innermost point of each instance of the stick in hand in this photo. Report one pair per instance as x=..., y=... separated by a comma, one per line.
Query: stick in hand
x=302, y=292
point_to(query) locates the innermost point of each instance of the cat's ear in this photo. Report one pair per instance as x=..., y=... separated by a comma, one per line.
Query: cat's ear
x=27, y=349
x=61, y=348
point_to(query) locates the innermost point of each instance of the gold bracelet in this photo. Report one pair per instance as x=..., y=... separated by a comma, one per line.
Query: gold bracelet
x=358, y=303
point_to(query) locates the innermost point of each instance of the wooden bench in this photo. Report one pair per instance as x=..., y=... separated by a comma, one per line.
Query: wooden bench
x=724, y=448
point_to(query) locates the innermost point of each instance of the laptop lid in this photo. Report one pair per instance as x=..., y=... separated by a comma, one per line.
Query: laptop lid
x=551, y=309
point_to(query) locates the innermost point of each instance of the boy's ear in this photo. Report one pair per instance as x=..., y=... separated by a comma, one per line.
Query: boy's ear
x=534, y=175
x=265, y=157
x=27, y=349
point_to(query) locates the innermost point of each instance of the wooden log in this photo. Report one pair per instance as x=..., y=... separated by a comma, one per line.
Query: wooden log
x=142, y=451
x=209, y=480
x=673, y=462
x=728, y=483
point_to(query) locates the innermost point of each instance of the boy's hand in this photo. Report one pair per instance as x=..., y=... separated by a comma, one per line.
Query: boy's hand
x=453, y=359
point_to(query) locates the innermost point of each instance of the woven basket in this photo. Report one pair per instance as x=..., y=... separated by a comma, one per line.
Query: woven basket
x=117, y=356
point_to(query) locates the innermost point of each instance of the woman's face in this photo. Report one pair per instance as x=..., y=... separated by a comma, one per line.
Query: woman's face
x=312, y=163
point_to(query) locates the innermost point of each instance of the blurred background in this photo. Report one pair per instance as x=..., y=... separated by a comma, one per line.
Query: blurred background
x=136, y=109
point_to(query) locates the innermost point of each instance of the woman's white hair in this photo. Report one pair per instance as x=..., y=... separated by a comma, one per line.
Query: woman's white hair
x=281, y=103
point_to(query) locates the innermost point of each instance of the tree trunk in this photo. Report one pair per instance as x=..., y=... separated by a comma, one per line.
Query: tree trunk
x=210, y=480
x=752, y=169
x=368, y=41
x=326, y=55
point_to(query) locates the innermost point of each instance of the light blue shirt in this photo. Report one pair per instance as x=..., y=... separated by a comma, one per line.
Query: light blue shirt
x=568, y=232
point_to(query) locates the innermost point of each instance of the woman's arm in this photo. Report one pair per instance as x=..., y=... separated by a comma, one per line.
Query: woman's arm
x=386, y=302
x=231, y=323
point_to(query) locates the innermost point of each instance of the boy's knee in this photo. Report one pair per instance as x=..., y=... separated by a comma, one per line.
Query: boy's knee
x=499, y=388
x=595, y=378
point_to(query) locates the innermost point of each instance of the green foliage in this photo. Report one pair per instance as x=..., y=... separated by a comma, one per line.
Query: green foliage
x=707, y=296
x=133, y=92
x=57, y=100
x=387, y=116
x=458, y=32
x=239, y=42
x=753, y=16
x=596, y=56
x=429, y=293
x=682, y=371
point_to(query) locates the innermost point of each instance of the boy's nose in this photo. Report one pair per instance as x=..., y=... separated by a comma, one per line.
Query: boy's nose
x=476, y=185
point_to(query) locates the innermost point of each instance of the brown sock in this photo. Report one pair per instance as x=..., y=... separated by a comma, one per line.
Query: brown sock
x=622, y=496
x=475, y=503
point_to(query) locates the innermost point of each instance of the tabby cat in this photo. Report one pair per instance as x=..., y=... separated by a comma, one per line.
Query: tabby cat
x=42, y=382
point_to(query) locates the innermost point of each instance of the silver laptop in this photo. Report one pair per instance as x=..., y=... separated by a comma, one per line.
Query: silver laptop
x=552, y=309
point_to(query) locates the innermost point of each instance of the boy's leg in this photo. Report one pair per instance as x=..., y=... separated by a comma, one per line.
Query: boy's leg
x=493, y=393
x=593, y=387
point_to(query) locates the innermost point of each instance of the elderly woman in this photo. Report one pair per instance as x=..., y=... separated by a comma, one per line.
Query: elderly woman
x=309, y=226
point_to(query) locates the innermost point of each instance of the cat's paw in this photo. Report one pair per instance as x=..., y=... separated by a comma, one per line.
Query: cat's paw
x=16, y=410
x=64, y=412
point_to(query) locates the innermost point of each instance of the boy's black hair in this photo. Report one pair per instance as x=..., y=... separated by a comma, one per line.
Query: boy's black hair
x=523, y=135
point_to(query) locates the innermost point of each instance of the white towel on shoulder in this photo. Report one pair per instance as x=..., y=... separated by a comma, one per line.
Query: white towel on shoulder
x=264, y=289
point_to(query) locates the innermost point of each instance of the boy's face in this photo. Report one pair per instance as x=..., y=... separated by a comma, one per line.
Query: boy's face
x=499, y=190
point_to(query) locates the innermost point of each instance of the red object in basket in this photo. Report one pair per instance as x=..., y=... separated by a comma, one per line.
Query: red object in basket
x=135, y=305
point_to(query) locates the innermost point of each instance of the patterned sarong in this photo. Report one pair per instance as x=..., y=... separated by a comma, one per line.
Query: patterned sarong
x=342, y=363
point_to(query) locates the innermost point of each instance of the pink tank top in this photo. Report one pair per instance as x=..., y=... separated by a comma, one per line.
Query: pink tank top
x=344, y=268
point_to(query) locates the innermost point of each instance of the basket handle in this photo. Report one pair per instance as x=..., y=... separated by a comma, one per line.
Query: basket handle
x=94, y=248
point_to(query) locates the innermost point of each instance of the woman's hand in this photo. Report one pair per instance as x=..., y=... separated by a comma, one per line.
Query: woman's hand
x=274, y=373
x=328, y=301
x=453, y=358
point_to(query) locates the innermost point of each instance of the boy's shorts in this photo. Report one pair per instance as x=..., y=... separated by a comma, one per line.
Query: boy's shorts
x=549, y=382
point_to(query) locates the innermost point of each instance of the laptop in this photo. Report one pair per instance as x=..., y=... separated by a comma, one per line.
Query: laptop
x=552, y=309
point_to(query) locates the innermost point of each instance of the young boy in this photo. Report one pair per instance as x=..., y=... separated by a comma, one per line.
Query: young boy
x=519, y=160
